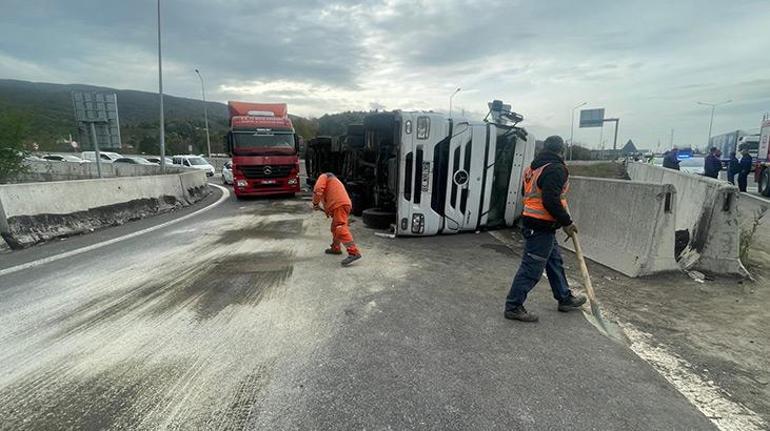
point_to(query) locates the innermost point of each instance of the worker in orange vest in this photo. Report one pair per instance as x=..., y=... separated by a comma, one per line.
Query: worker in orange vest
x=546, y=182
x=330, y=191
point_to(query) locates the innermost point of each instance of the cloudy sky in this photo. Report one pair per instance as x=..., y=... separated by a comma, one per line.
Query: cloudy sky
x=646, y=62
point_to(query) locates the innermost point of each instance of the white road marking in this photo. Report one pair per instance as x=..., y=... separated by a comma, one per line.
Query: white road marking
x=54, y=258
x=727, y=415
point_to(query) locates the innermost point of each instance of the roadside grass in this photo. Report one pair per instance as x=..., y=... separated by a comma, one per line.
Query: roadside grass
x=748, y=234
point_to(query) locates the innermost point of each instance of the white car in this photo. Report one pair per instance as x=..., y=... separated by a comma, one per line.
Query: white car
x=694, y=165
x=134, y=160
x=106, y=156
x=195, y=162
x=156, y=160
x=65, y=158
x=227, y=172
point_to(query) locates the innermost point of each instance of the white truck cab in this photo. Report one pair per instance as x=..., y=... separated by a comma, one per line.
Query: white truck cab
x=458, y=175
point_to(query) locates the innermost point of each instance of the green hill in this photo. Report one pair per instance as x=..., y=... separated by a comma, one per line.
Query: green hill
x=48, y=109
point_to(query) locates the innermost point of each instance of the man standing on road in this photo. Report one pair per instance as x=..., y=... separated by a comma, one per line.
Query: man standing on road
x=745, y=170
x=330, y=191
x=671, y=159
x=712, y=165
x=733, y=168
x=546, y=182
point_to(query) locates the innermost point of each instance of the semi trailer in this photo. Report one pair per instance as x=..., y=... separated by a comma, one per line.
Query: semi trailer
x=424, y=173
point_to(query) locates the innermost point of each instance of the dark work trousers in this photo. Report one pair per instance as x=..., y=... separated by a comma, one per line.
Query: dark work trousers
x=743, y=180
x=541, y=252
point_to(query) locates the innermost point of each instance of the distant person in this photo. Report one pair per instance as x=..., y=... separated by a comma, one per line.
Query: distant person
x=712, y=164
x=546, y=182
x=671, y=159
x=733, y=168
x=745, y=170
x=330, y=191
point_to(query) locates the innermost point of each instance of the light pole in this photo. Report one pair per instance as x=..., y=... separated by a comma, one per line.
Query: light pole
x=205, y=113
x=450, y=100
x=160, y=93
x=572, y=128
x=711, y=121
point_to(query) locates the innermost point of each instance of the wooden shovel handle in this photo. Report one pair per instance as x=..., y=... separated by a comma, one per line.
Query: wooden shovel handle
x=583, y=269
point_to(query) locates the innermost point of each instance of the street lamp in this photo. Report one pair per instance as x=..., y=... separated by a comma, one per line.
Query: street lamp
x=160, y=94
x=205, y=113
x=572, y=128
x=711, y=121
x=450, y=101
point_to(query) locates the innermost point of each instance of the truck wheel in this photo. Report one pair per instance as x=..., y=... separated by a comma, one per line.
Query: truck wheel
x=378, y=218
x=764, y=183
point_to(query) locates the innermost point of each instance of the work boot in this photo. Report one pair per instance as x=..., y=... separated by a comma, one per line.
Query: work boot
x=332, y=251
x=350, y=259
x=520, y=313
x=572, y=303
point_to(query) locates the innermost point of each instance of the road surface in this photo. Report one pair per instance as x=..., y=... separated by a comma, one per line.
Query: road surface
x=235, y=319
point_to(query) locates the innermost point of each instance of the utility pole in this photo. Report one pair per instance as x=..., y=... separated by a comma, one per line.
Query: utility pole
x=711, y=121
x=572, y=128
x=205, y=113
x=450, y=100
x=160, y=94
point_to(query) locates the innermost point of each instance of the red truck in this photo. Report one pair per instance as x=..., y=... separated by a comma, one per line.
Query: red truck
x=264, y=149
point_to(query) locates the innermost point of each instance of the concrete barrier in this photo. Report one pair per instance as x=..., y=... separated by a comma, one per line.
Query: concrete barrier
x=708, y=232
x=625, y=225
x=43, y=171
x=36, y=212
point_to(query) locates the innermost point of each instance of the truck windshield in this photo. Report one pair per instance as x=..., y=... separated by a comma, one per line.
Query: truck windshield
x=249, y=140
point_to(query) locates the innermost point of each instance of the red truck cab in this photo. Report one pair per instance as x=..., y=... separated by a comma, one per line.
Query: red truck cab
x=264, y=149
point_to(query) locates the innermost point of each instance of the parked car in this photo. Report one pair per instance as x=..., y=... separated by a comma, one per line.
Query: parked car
x=156, y=160
x=65, y=158
x=195, y=162
x=106, y=156
x=133, y=160
x=227, y=172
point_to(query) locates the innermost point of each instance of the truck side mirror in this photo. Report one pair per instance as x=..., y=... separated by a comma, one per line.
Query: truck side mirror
x=296, y=143
x=229, y=140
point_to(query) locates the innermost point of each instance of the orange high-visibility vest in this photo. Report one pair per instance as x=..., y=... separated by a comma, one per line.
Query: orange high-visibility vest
x=533, y=195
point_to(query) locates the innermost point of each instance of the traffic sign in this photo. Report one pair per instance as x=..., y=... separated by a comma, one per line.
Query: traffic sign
x=592, y=117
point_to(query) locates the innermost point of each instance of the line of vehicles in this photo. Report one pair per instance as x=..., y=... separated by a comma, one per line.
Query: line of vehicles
x=186, y=161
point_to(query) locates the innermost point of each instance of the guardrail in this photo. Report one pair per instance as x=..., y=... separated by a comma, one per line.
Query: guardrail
x=35, y=212
x=707, y=228
x=42, y=171
x=625, y=225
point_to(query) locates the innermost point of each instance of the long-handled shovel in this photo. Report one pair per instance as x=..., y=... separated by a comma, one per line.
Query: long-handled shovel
x=596, y=317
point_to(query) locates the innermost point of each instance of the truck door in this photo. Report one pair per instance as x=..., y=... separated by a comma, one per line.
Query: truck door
x=464, y=182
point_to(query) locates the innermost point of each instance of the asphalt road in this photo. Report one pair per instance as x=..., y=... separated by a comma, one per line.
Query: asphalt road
x=235, y=319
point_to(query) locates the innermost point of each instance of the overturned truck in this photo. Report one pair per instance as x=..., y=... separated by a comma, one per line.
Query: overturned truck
x=422, y=173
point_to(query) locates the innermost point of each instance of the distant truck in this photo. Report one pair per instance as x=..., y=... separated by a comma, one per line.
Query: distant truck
x=424, y=173
x=264, y=149
x=735, y=140
x=762, y=160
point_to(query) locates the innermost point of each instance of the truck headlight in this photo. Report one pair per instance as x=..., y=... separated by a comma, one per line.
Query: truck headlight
x=423, y=127
x=242, y=183
x=292, y=181
x=418, y=223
